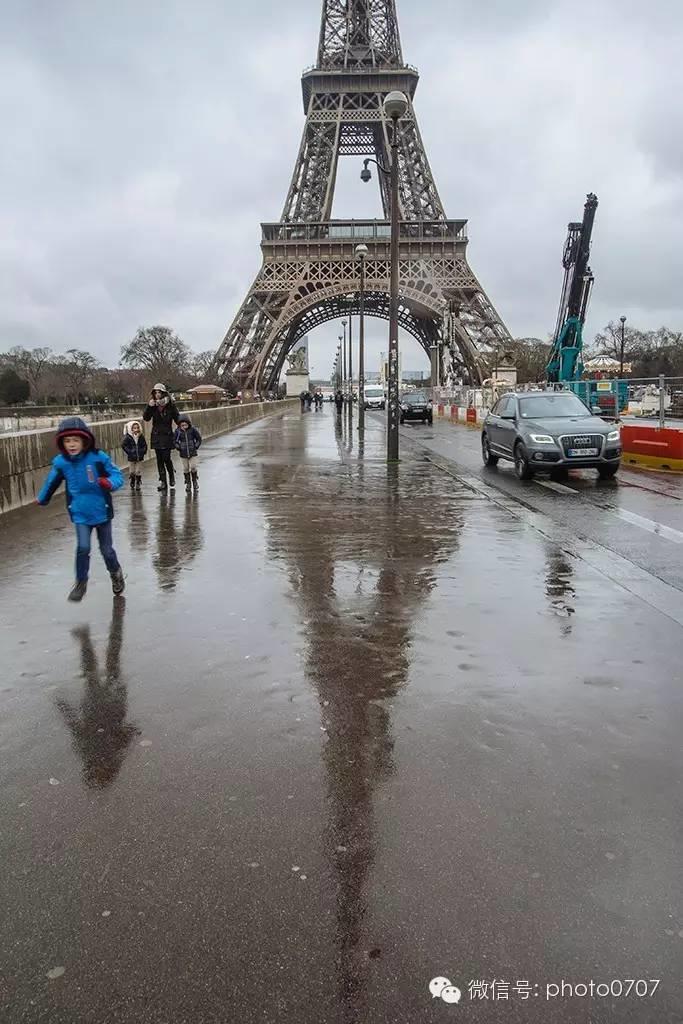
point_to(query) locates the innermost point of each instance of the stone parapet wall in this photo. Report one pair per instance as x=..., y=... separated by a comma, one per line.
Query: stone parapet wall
x=26, y=456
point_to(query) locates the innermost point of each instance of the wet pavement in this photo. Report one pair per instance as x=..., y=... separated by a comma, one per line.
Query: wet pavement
x=353, y=728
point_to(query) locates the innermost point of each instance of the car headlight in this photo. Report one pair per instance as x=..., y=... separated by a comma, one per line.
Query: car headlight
x=542, y=439
x=613, y=435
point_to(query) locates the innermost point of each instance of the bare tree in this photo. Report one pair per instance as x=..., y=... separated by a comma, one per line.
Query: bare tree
x=30, y=364
x=530, y=356
x=648, y=352
x=76, y=369
x=159, y=350
x=201, y=364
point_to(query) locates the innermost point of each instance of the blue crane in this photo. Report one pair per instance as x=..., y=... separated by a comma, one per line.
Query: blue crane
x=565, y=363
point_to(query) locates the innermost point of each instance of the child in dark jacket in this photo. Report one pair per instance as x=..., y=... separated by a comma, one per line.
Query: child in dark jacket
x=135, y=447
x=187, y=441
x=89, y=477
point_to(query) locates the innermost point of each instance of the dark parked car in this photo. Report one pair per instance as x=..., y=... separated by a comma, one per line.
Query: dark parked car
x=549, y=431
x=416, y=406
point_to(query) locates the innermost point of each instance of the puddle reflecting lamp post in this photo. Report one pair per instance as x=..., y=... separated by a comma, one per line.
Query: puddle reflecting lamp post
x=361, y=254
x=395, y=107
x=350, y=371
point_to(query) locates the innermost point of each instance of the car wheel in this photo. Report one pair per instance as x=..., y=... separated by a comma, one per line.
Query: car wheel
x=607, y=472
x=489, y=459
x=522, y=467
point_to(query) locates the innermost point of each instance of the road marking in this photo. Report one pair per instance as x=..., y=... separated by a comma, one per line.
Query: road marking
x=552, y=486
x=650, y=525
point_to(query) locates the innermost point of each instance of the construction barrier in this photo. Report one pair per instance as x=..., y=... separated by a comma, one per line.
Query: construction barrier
x=652, y=447
x=471, y=415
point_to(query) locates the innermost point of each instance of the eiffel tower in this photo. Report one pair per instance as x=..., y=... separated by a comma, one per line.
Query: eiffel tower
x=309, y=273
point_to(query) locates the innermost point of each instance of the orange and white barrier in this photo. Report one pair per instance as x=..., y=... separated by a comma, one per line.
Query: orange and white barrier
x=652, y=447
x=471, y=416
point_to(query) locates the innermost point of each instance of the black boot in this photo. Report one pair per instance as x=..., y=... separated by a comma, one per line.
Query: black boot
x=188, y=487
x=171, y=479
x=118, y=584
x=138, y=483
x=195, y=483
x=132, y=483
x=78, y=590
x=162, y=484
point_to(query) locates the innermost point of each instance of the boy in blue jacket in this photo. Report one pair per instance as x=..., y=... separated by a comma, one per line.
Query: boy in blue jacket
x=89, y=477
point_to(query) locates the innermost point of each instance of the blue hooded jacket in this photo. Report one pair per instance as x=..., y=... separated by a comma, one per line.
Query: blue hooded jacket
x=87, y=501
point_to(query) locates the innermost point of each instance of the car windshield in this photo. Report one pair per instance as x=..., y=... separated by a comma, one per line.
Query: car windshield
x=419, y=398
x=374, y=392
x=542, y=407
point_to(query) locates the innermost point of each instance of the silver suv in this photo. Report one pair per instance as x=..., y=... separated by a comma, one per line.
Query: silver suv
x=549, y=432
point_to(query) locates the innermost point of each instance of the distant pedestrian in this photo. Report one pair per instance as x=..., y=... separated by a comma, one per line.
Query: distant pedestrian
x=302, y=399
x=339, y=401
x=309, y=401
x=163, y=413
x=318, y=400
x=135, y=447
x=89, y=477
x=187, y=441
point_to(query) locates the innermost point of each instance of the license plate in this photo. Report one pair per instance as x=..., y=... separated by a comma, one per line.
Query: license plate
x=578, y=452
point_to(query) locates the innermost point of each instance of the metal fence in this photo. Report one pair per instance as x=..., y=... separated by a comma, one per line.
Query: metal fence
x=659, y=398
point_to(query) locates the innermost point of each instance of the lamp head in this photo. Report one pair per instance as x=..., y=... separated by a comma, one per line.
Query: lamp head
x=365, y=174
x=623, y=319
x=361, y=251
x=395, y=105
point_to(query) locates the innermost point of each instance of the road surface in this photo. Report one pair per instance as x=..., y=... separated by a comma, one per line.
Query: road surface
x=353, y=729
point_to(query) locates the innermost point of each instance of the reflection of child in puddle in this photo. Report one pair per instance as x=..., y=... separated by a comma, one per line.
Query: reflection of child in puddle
x=176, y=548
x=98, y=725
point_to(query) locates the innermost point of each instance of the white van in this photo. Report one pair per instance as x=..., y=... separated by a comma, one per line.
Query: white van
x=374, y=396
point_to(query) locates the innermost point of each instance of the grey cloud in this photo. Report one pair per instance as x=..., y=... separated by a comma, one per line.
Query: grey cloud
x=145, y=143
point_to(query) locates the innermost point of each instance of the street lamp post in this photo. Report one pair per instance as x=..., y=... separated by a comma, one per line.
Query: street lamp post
x=342, y=346
x=395, y=106
x=346, y=376
x=361, y=254
x=622, y=320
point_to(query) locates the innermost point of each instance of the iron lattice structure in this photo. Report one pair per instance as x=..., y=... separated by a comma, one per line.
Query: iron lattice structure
x=309, y=273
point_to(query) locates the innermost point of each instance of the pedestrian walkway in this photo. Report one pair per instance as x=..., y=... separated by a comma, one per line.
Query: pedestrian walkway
x=353, y=727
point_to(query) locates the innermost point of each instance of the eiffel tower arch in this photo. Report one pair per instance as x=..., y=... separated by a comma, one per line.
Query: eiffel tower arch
x=309, y=273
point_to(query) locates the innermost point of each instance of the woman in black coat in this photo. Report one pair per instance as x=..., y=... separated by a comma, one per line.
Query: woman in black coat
x=163, y=413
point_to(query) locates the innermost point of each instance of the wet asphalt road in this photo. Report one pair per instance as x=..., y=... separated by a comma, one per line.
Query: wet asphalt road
x=351, y=729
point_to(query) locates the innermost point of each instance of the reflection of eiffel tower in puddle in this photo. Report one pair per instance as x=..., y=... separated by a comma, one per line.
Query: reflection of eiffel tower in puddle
x=359, y=584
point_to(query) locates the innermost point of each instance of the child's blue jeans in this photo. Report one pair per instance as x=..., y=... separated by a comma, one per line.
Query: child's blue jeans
x=106, y=543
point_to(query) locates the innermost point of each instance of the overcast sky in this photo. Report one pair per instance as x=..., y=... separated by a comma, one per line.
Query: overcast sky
x=144, y=142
